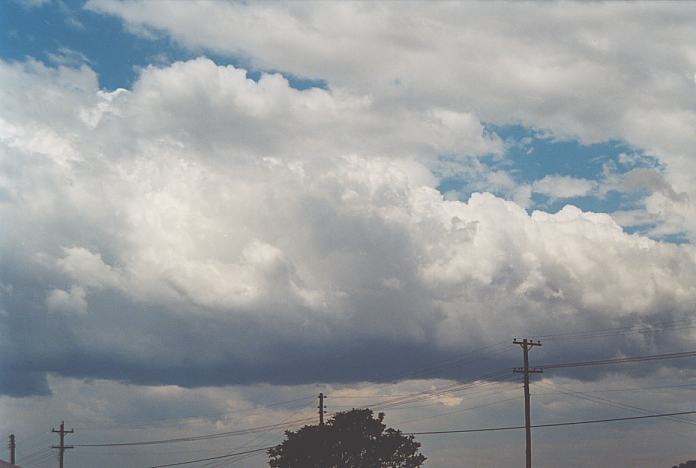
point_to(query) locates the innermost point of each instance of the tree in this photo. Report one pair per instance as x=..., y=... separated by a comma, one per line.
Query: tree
x=689, y=464
x=351, y=439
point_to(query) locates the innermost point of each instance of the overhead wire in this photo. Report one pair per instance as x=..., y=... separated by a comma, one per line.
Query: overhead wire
x=623, y=360
x=681, y=324
x=386, y=404
x=608, y=402
x=432, y=396
x=568, y=423
x=625, y=389
x=458, y=410
x=216, y=435
x=219, y=457
x=36, y=453
x=198, y=417
x=37, y=457
x=262, y=436
x=432, y=393
x=495, y=349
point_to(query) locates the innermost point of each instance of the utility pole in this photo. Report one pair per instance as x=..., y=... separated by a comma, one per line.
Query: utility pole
x=321, y=409
x=526, y=345
x=62, y=447
x=12, y=447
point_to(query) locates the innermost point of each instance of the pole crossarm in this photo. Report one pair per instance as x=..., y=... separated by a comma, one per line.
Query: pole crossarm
x=526, y=342
x=532, y=370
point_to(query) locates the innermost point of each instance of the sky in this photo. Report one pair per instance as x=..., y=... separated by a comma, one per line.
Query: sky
x=212, y=211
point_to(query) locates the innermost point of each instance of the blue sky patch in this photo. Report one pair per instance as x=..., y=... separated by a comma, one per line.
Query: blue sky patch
x=64, y=28
x=530, y=156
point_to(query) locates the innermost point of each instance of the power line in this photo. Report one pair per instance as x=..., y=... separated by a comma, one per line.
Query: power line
x=284, y=424
x=216, y=435
x=260, y=438
x=460, y=410
x=496, y=348
x=431, y=393
x=386, y=404
x=230, y=455
x=38, y=460
x=154, y=422
x=612, y=403
x=244, y=454
x=569, y=423
x=601, y=362
x=624, y=389
x=493, y=349
x=681, y=324
x=219, y=457
x=421, y=396
x=35, y=457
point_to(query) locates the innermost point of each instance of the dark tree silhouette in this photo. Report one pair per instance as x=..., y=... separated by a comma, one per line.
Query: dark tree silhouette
x=689, y=464
x=351, y=439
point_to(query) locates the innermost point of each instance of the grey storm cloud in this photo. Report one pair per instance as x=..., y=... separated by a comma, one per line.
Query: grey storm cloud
x=200, y=230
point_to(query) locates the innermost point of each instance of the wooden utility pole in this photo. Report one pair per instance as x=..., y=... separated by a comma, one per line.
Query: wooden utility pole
x=12, y=447
x=62, y=447
x=321, y=409
x=526, y=345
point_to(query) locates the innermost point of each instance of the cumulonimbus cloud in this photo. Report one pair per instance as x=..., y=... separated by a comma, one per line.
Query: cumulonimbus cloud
x=211, y=229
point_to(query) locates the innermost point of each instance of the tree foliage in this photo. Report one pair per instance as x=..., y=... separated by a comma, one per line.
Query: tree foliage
x=351, y=439
x=689, y=464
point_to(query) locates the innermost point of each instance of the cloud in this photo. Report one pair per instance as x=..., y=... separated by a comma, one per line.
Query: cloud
x=631, y=81
x=74, y=23
x=68, y=57
x=663, y=211
x=86, y=267
x=67, y=302
x=564, y=187
x=32, y=3
x=561, y=71
x=225, y=230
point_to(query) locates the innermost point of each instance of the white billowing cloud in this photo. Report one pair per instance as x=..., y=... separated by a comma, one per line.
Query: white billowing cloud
x=87, y=268
x=218, y=111
x=455, y=53
x=200, y=103
x=564, y=187
x=207, y=197
x=664, y=211
x=67, y=302
x=629, y=80
x=671, y=215
x=650, y=180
